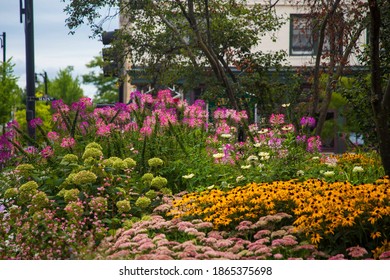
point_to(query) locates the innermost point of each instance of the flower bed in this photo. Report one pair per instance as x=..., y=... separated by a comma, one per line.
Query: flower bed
x=102, y=178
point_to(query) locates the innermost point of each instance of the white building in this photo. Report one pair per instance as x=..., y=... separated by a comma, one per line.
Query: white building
x=295, y=36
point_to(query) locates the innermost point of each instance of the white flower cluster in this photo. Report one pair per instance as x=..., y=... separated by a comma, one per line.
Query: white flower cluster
x=264, y=156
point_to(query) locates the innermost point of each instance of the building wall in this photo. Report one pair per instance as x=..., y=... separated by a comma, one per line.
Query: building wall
x=284, y=9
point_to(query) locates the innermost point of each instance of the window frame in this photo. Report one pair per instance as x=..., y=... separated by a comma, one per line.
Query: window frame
x=312, y=38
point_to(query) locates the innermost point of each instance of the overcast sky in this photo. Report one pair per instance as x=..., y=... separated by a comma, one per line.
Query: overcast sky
x=55, y=48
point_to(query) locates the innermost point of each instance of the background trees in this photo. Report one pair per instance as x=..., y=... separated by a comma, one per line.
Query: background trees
x=191, y=40
x=338, y=26
x=106, y=87
x=65, y=87
x=10, y=92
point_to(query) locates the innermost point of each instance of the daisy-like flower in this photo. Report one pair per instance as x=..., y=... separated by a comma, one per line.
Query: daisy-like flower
x=218, y=155
x=357, y=169
x=252, y=158
x=329, y=173
x=240, y=178
x=188, y=176
x=264, y=156
x=263, y=131
x=226, y=135
x=288, y=127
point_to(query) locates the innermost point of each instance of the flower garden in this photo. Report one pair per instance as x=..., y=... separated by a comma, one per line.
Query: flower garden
x=162, y=179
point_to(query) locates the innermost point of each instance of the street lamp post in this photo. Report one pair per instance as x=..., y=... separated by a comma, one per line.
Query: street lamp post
x=28, y=13
x=3, y=46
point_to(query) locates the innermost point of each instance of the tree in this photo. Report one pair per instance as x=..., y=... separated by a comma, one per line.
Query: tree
x=65, y=87
x=201, y=38
x=337, y=26
x=379, y=95
x=10, y=92
x=107, y=89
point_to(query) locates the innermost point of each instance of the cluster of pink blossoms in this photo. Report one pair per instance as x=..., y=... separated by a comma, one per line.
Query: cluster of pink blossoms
x=68, y=142
x=225, y=114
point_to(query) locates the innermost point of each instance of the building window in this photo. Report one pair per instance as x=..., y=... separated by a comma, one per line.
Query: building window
x=302, y=39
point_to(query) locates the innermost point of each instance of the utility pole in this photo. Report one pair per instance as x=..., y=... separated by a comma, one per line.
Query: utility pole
x=28, y=13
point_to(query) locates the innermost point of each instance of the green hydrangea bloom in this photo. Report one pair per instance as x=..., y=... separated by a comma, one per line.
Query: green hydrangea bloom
x=92, y=153
x=119, y=164
x=68, y=180
x=94, y=145
x=130, y=162
x=127, y=224
x=155, y=162
x=24, y=167
x=69, y=159
x=159, y=182
x=10, y=193
x=143, y=202
x=166, y=191
x=147, y=177
x=110, y=161
x=84, y=177
x=39, y=200
x=98, y=204
x=89, y=161
x=123, y=206
x=151, y=194
x=146, y=218
x=71, y=195
x=27, y=191
x=61, y=192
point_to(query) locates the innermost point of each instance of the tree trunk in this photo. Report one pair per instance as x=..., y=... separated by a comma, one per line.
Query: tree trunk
x=212, y=58
x=334, y=78
x=379, y=99
x=317, y=74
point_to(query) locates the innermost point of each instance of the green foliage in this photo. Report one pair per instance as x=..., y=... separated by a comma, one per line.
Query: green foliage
x=106, y=87
x=187, y=41
x=42, y=111
x=65, y=87
x=10, y=93
x=358, y=110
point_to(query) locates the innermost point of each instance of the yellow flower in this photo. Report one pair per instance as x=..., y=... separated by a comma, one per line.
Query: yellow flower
x=316, y=238
x=375, y=235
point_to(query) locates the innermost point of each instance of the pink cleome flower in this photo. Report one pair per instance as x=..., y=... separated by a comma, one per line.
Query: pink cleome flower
x=47, y=152
x=53, y=136
x=276, y=119
x=68, y=142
